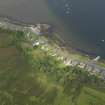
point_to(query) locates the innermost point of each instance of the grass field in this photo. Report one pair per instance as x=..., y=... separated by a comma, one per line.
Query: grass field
x=39, y=79
x=90, y=96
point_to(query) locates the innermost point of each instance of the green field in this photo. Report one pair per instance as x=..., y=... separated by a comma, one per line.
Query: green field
x=91, y=97
x=29, y=76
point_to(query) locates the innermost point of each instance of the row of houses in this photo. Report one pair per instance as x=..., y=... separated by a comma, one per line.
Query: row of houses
x=89, y=66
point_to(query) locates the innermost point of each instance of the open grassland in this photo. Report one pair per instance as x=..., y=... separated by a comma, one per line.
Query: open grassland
x=29, y=76
x=91, y=97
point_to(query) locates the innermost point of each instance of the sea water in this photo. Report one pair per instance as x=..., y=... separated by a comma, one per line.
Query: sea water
x=81, y=23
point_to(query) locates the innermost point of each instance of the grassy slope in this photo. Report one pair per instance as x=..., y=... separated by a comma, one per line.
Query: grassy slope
x=42, y=80
x=91, y=97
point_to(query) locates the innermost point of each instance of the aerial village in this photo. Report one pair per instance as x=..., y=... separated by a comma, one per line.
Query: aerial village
x=90, y=66
x=43, y=29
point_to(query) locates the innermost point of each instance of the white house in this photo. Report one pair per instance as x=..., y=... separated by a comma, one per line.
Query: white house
x=35, y=43
x=97, y=58
x=82, y=65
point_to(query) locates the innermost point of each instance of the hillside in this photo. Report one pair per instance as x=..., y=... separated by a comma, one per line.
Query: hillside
x=30, y=76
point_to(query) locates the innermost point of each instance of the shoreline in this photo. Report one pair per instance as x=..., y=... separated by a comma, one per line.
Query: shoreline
x=68, y=54
x=14, y=23
x=68, y=46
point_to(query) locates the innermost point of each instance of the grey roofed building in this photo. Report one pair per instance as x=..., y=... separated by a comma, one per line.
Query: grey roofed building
x=89, y=68
x=103, y=74
x=74, y=63
x=97, y=70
